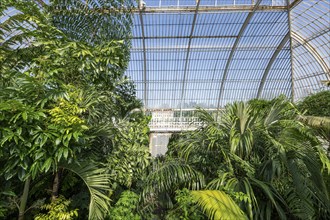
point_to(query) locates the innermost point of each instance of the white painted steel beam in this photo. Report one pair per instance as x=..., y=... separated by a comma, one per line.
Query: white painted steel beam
x=313, y=52
x=145, y=98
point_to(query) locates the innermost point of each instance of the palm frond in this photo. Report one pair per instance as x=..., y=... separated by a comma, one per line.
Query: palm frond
x=300, y=198
x=172, y=174
x=274, y=114
x=239, y=121
x=92, y=21
x=229, y=183
x=218, y=205
x=97, y=182
x=315, y=121
x=273, y=196
x=320, y=124
x=205, y=116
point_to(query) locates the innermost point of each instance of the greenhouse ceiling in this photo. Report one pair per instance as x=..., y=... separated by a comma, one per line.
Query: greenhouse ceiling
x=210, y=52
x=207, y=53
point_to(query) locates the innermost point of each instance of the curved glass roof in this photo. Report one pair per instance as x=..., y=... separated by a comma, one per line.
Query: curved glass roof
x=211, y=52
x=188, y=53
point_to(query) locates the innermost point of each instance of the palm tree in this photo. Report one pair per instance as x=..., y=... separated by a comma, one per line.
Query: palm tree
x=265, y=158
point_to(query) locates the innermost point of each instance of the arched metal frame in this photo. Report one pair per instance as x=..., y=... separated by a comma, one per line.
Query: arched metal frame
x=305, y=44
x=313, y=52
x=145, y=97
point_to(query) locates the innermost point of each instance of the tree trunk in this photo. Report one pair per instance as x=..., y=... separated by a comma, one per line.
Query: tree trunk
x=24, y=199
x=56, y=185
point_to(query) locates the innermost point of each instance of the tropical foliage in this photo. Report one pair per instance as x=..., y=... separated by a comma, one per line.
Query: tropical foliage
x=270, y=164
x=74, y=142
x=317, y=104
x=61, y=92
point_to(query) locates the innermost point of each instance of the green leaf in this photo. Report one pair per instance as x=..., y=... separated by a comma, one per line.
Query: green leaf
x=8, y=193
x=76, y=135
x=38, y=155
x=47, y=164
x=65, y=153
x=57, y=141
x=218, y=205
x=24, y=116
x=21, y=174
x=84, y=127
x=97, y=182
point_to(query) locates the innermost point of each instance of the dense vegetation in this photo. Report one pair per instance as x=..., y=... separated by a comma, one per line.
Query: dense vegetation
x=317, y=104
x=66, y=127
x=74, y=146
x=270, y=164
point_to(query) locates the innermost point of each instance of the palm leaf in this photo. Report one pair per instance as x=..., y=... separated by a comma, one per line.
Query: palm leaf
x=274, y=197
x=175, y=173
x=320, y=124
x=206, y=117
x=239, y=122
x=218, y=205
x=274, y=114
x=92, y=21
x=316, y=122
x=172, y=174
x=97, y=182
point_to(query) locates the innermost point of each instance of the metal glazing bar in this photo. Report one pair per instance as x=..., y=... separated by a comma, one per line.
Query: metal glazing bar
x=270, y=63
x=313, y=51
x=206, y=48
x=234, y=8
x=304, y=63
x=144, y=61
x=306, y=77
x=187, y=56
x=183, y=9
x=316, y=35
x=294, y=4
x=241, y=32
x=181, y=37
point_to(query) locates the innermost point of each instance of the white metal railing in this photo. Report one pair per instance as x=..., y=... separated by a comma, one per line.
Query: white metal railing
x=175, y=123
x=167, y=120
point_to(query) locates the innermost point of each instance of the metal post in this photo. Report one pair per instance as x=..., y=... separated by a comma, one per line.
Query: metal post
x=291, y=51
x=144, y=57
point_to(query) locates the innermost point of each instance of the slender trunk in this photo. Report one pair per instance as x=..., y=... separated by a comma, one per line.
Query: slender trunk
x=24, y=199
x=56, y=185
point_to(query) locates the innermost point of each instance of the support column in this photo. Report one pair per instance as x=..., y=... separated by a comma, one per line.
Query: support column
x=291, y=51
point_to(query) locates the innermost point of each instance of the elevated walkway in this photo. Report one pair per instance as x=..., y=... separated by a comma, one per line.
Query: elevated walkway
x=168, y=121
x=173, y=124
